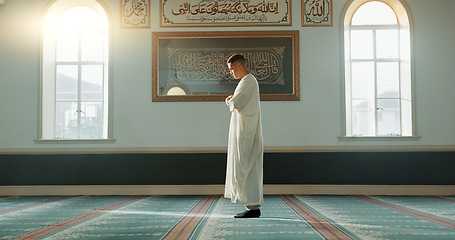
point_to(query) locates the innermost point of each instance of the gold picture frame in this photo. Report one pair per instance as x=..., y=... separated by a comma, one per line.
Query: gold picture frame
x=317, y=13
x=225, y=13
x=191, y=66
x=135, y=13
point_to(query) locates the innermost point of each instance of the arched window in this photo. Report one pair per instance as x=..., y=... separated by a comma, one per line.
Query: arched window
x=75, y=62
x=377, y=89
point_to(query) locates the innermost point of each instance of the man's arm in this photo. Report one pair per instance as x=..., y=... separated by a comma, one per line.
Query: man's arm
x=241, y=96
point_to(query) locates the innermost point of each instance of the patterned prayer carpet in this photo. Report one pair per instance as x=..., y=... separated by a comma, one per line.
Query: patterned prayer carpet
x=211, y=217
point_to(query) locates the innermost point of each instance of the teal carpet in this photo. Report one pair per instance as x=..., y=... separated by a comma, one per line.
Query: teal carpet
x=211, y=217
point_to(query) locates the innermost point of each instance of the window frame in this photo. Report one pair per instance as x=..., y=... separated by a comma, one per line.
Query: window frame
x=48, y=65
x=404, y=17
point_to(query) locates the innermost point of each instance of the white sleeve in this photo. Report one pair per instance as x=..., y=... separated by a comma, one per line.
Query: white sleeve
x=241, y=96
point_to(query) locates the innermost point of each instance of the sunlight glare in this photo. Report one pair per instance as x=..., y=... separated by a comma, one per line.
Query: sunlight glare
x=176, y=91
x=374, y=13
x=80, y=18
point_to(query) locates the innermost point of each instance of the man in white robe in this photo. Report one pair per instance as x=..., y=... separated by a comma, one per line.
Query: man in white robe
x=245, y=149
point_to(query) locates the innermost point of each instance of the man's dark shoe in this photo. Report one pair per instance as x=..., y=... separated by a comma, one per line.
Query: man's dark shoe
x=249, y=214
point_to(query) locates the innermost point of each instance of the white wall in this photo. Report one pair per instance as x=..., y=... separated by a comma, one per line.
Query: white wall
x=315, y=120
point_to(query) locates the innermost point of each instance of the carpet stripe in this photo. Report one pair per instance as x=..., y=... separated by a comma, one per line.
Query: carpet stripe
x=444, y=199
x=34, y=204
x=435, y=219
x=185, y=228
x=325, y=228
x=55, y=227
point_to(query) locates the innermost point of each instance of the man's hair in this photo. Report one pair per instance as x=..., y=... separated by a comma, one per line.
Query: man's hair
x=236, y=57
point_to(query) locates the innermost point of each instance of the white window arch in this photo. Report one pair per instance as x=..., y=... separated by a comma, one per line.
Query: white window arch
x=377, y=69
x=75, y=71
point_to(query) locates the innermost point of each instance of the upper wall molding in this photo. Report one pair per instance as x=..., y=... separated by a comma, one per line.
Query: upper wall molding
x=267, y=149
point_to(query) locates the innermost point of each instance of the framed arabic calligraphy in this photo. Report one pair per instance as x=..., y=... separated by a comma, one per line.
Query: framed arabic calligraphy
x=134, y=13
x=317, y=13
x=225, y=13
x=191, y=66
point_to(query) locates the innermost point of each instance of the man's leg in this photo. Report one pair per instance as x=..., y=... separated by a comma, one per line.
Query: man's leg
x=253, y=207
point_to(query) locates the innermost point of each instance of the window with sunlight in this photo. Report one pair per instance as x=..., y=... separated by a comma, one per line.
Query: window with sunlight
x=75, y=71
x=377, y=70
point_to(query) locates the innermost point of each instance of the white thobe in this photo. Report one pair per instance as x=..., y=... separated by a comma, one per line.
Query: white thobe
x=245, y=149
